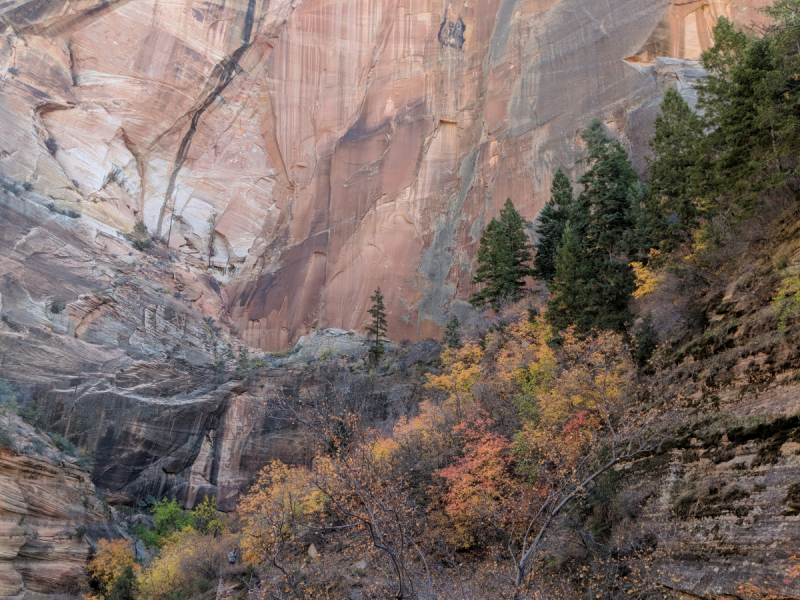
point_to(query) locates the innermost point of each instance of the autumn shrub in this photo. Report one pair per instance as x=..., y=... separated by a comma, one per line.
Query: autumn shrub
x=516, y=431
x=479, y=483
x=109, y=563
x=165, y=574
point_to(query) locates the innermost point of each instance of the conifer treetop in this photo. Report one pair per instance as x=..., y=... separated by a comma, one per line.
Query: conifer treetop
x=504, y=258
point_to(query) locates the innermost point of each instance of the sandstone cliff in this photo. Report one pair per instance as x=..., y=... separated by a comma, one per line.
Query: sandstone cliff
x=308, y=151
x=50, y=517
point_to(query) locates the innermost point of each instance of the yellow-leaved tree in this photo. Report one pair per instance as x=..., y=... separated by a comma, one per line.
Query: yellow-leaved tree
x=460, y=370
x=108, y=563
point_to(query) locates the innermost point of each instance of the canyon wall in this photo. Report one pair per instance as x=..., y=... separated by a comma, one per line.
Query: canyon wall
x=50, y=516
x=305, y=152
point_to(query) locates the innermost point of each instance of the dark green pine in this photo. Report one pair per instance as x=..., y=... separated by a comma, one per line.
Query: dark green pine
x=550, y=227
x=676, y=144
x=504, y=257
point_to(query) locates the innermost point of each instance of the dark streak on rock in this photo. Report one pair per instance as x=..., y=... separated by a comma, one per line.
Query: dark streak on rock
x=451, y=33
x=224, y=72
x=249, y=20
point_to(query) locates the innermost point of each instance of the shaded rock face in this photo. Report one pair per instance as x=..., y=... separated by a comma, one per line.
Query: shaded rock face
x=173, y=432
x=722, y=511
x=310, y=151
x=50, y=520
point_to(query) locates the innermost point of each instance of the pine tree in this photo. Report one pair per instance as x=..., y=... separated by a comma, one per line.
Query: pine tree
x=733, y=99
x=676, y=144
x=608, y=186
x=550, y=228
x=503, y=259
x=452, y=339
x=606, y=190
x=378, y=327
x=608, y=228
x=781, y=112
x=638, y=240
x=569, y=301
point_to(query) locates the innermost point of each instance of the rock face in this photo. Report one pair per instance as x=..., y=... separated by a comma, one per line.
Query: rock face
x=78, y=304
x=50, y=518
x=175, y=430
x=308, y=151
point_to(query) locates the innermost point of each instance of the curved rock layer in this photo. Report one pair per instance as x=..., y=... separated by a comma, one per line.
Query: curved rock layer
x=50, y=520
x=308, y=151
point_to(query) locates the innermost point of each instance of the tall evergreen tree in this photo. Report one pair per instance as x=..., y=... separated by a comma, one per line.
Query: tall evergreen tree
x=608, y=229
x=676, y=144
x=606, y=190
x=570, y=290
x=638, y=241
x=781, y=113
x=503, y=259
x=550, y=228
x=378, y=327
x=732, y=98
x=608, y=186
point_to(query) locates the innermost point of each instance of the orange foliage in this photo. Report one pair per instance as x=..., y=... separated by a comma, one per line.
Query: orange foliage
x=480, y=482
x=587, y=400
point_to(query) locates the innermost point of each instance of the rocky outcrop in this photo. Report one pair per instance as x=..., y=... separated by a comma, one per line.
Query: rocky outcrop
x=309, y=151
x=180, y=432
x=50, y=517
x=720, y=513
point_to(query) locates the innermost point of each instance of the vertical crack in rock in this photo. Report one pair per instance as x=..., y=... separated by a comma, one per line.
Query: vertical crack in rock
x=438, y=259
x=499, y=41
x=224, y=73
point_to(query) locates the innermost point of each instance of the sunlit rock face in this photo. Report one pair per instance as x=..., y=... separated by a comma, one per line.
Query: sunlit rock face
x=309, y=151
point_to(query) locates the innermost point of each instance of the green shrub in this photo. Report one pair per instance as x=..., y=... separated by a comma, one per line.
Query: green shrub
x=644, y=344
x=149, y=538
x=125, y=586
x=6, y=443
x=64, y=445
x=170, y=517
x=85, y=460
x=29, y=413
x=141, y=245
x=57, y=307
x=8, y=398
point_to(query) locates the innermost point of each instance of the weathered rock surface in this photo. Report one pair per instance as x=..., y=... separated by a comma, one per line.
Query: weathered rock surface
x=309, y=151
x=721, y=512
x=175, y=431
x=77, y=303
x=50, y=518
